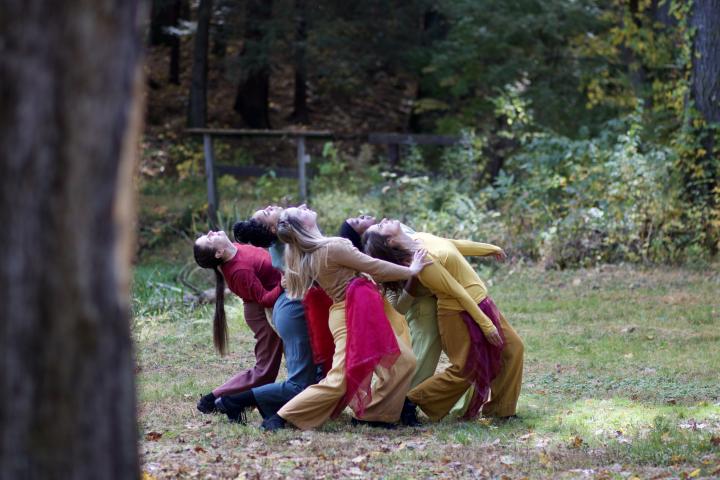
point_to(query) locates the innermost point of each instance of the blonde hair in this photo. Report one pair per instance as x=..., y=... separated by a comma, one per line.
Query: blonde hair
x=304, y=254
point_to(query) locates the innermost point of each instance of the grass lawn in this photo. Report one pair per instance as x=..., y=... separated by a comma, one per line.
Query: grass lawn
x=622, y=380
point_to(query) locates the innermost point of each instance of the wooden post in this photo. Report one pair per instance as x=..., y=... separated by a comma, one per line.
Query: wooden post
x=393, y=150
x=302, y=160
x=213, y=198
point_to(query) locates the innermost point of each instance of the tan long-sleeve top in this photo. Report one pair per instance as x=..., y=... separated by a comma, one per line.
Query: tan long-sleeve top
x=452, y=279
x=344, y=262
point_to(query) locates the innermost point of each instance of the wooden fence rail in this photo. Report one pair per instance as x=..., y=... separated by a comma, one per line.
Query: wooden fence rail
x=212, y=170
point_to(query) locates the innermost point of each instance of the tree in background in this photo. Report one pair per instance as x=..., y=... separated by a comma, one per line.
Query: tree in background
x=300, y=113
x=253, y=91
x=702, y=172
x=69, y=125
x=197, y=102
x=164, y=16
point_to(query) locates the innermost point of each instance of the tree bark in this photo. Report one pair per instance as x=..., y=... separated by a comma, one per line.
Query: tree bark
x=706, y=61
x=705, y=94
x=197, y=107
x=69, y=123
x=434, y=28
x=253, y=91
x=219, y=31
x=164, y=14
x=300, y=112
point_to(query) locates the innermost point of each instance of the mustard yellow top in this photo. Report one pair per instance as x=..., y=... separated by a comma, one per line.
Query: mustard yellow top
x=452, y=279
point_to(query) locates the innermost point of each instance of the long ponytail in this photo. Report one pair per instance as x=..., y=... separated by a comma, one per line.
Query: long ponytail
x=205, y=257
x=220, y=328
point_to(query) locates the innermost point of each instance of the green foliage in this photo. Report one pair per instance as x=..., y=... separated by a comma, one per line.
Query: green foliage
x=493, y=43
x=608, y=198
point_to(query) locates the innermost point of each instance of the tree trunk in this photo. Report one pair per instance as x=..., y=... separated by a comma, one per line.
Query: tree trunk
x=197, y=108
x=69, y=124
x=253, y=91
x=164, y=14
x=706, y=61
x=300, y=112
x=219, y=31
x=179, y=13
x=704, y=177
x=434, y=27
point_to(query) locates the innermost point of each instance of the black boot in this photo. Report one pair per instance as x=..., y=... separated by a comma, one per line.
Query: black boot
x=206, y=404
x=276, y=422
x=408, y=416
x=233, y=414
x=373, y=423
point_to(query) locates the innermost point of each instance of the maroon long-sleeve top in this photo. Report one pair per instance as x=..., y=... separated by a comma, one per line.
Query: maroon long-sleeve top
x=251, y=276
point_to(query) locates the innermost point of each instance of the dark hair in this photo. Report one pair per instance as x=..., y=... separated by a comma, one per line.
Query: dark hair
x=254, y=233
x=378, y=246
x=347, y=231
x=205, y=257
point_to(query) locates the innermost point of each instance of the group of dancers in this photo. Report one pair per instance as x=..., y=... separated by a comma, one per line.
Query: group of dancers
x=362, y=319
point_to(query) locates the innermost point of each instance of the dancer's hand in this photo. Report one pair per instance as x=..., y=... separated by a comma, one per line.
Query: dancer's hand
x=500, y=256
x=283, y=283
x=419, y=261
x=494, y=338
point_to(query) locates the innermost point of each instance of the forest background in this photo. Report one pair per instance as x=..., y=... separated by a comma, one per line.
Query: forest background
x=589, y=127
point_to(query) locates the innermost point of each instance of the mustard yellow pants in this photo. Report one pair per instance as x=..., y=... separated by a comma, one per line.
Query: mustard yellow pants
x=437, y=395
x=313, y=406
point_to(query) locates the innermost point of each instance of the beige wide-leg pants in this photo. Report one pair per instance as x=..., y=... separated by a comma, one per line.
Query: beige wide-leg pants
x=313, y=406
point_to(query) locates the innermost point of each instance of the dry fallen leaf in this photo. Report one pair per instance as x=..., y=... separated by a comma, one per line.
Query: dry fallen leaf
x=576, y=442
x=694, y=473
x=153, y=436
x=544, y=459
x=199, y=449
x=715, y=440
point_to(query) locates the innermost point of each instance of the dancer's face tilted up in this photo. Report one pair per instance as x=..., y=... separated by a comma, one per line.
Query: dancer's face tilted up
x=306, y=216
x=387, y=228
x=268, y=216
x=215, y=241
x=361, y=223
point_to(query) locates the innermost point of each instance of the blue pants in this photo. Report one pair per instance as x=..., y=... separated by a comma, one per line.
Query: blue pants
x=289, y=320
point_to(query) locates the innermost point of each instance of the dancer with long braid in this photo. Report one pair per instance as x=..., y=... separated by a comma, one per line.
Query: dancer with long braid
x=249, y=274
x=288, y=318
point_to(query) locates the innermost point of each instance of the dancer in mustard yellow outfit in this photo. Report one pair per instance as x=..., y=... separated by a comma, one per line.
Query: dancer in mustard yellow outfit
x=418, y=305
x=459, y=291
